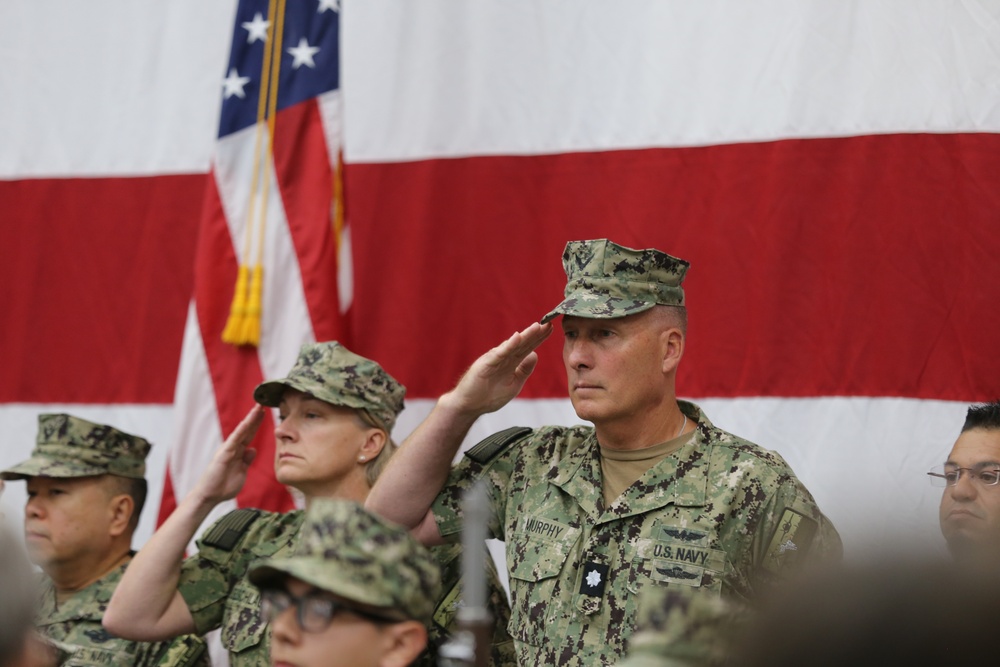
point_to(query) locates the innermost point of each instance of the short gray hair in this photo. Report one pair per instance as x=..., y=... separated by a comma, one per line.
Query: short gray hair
x=17, y=590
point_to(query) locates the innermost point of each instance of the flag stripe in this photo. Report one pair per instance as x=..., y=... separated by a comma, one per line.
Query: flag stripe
x=819, y=267
x=96, y=275
x=305, y=175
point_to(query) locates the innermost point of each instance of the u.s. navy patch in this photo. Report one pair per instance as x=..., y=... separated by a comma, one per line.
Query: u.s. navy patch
x=595, y=576
x=791, y=541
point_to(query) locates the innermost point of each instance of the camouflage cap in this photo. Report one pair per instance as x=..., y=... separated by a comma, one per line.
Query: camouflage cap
x=68, y=446
x=346, y=550
x=332, y=373
x=607, y=280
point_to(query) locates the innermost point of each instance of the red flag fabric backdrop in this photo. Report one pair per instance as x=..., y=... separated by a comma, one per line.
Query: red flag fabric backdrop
x=831, y=171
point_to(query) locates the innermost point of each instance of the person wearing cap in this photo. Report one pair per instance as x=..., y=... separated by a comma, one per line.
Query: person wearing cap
x=336, y=414
x=651, y=497
x=86, y=488
x=356, y=591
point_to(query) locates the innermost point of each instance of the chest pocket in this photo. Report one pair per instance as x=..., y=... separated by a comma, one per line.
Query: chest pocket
x=242, y=627
x=537, y=553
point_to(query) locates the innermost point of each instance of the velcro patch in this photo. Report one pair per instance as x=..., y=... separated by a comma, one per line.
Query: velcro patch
x=595, y=576
x=790, y=542
x=487, y=450
x=229, y=530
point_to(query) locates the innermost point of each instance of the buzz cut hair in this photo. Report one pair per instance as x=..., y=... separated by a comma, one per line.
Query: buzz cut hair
x=983, y=415
x=134, y=487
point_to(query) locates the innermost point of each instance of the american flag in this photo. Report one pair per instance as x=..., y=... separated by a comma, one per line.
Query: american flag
x=829, y=169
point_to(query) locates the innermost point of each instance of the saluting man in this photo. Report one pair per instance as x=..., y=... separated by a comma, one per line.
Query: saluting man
x=651, y=496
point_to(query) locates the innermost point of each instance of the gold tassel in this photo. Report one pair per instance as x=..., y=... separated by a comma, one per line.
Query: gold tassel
x=237, y=310
x=251, y=323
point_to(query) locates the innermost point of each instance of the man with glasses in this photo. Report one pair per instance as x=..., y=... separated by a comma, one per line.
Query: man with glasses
x=970, y=505
x=357, y=591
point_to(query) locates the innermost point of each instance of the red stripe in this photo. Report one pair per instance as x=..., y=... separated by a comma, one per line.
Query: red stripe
x=856, y=266
x=234, y=371
x=302, y=164
x=95, y=278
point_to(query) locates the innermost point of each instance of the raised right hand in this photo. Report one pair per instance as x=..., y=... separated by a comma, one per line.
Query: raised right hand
x=227, y=472
x=498, y=376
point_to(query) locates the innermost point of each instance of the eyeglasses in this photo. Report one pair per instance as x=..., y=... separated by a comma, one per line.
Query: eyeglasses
x=314, y=611
x=949, y=475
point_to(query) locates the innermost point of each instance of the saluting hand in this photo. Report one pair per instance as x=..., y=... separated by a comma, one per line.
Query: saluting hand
x=498, y=376
x=227, y=472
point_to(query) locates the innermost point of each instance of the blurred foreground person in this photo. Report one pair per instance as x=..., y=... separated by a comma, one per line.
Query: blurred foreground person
x=894, y=613
x=19, y=646
x=970, y=504
x=86, y=488
x=356, y=591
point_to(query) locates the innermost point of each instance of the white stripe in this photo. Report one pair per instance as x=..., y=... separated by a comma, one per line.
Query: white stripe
x=863, y=459
x=106, y=87
x=440, y=78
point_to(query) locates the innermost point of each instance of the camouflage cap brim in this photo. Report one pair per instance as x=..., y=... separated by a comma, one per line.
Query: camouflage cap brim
x=269, y=393
x=598, y=307
x=319, y=573
x=41, y=466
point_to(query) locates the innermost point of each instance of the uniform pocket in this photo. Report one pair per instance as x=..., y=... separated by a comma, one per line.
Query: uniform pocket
x=242, y=626
x=535, y=561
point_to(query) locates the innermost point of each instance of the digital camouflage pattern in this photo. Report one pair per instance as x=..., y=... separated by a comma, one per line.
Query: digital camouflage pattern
x=68, y=446
x=332, y=373
x=215, y=586
x=75, y=627
x=676, y=627
x=346, y=550
x=606, y=280
x=721, y=515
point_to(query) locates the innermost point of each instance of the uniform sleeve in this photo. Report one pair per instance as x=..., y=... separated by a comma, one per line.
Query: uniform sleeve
x=793, y=534
x=493, y=461
x=185, y=651
x=224, y=555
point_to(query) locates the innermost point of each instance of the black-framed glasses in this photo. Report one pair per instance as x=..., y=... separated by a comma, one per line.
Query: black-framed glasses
x=314, y=611
x=948, y=475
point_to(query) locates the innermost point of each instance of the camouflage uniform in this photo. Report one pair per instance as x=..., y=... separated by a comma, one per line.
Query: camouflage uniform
x=70, y=447
x=721, y=516
x=76, y=624
x=214, y=582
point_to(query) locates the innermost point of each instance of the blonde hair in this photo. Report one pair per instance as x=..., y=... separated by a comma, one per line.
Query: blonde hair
x=375, y=467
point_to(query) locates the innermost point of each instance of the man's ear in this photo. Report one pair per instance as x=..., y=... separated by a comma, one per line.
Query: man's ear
x=672, y=347
x=120, y=508
x=404, y=641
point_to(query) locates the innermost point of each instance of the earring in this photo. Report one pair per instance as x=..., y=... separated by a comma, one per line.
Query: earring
x=362, y=459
